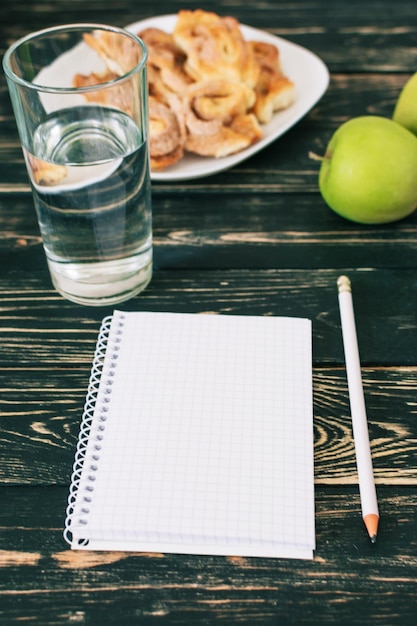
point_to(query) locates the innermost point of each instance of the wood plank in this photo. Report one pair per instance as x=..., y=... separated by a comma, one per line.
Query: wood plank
x=39, y=328
x=352, y=37
x=40, y=412
x=234, y=229
x=42, y=580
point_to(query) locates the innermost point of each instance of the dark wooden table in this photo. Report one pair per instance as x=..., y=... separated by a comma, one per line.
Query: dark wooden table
x=257, y=239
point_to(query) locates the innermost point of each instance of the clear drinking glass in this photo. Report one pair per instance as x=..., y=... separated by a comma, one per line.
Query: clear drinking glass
x=79, y=95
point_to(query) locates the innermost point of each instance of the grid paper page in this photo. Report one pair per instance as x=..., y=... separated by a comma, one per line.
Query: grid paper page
x=206, y=444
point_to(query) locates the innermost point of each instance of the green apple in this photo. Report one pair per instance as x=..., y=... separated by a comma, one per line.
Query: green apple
x=405, y=111
x=369, y=171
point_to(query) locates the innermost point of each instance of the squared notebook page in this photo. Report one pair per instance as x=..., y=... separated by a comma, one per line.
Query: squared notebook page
x=201, y=439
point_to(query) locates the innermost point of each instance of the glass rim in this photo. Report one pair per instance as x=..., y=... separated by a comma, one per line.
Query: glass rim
x=91, y=26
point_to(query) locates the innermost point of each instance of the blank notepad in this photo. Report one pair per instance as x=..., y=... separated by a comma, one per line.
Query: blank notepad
x=197, y=437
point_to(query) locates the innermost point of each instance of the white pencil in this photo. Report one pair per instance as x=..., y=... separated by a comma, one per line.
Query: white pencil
x=367, y=490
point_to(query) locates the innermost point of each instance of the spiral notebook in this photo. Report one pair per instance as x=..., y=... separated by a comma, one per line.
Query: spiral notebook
x=197, y=438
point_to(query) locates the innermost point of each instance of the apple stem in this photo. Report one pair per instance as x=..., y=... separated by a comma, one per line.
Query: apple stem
x=316, y=157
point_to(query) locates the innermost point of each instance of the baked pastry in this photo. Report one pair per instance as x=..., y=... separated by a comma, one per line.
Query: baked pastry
x=274, y=91
x=166, y=137
x=221, y=141
x=266, y=55
x=119, y=96
x=166, y=59
x=215, y=47
x=248, y=126
x=46, y=174
x=212, y=111
x=219, y=99
x=119, y=53
x=209, y=89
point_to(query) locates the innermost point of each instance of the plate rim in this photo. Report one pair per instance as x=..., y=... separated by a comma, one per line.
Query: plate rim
x=219, y=165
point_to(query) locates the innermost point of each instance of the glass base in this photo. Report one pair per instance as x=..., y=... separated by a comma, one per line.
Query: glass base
x=103, y=283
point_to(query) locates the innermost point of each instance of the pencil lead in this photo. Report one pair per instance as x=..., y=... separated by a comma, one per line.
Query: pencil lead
x=371, y=522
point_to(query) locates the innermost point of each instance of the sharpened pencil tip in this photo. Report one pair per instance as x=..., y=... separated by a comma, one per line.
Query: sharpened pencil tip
x=371, y=522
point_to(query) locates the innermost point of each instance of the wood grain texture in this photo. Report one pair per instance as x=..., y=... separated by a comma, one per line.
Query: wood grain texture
x=348, y=576
x=267, y=230
x=39, y=327
x=41, y=411
x=254, y=240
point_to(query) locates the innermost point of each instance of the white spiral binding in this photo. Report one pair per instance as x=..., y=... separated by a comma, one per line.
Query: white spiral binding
x=79, y=504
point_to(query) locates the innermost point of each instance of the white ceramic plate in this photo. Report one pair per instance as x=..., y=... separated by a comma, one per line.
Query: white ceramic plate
x=305, y=69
